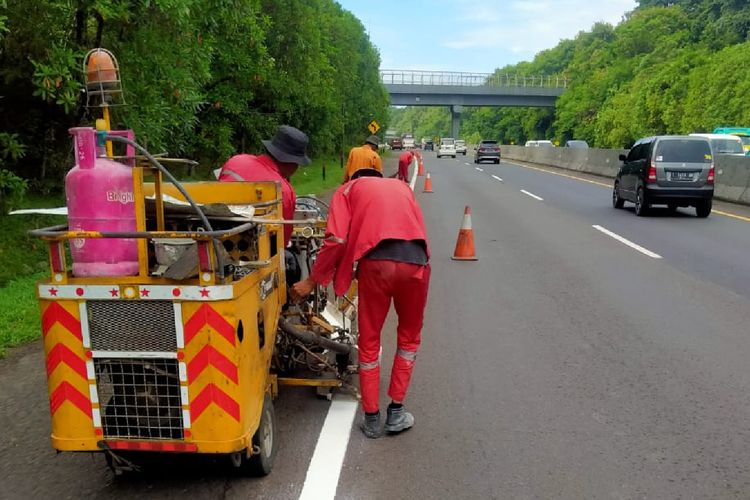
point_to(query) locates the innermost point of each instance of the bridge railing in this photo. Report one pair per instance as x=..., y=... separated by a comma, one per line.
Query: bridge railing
x=460, y=79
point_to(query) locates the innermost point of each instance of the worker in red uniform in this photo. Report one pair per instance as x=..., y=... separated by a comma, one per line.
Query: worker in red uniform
x=285, y=153
x=403, y=165
x=364, y=156
x=393, y=263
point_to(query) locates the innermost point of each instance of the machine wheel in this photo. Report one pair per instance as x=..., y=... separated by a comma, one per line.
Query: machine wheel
x=617, y=202
x=264, y=439
x=641, y=205
x=703, y=209
x=497, y=162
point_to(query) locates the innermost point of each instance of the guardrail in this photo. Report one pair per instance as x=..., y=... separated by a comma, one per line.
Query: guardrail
x=459, y=79
x=732, y=172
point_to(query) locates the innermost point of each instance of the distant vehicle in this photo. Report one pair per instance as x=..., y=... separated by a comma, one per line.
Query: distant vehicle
x=487, y=150
x=396, y=143
x=408, y=142
x=546, y=144
x=724, y=144
x=742, y=132
x=429, y=145
x=577, y=144
x=531, y=144
x=672, y=170
x=447, y=147
x=461, y=147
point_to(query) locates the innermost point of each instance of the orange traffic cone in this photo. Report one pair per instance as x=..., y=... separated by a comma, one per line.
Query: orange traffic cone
x=465, y=243
x=420, y=163
x=427, y=184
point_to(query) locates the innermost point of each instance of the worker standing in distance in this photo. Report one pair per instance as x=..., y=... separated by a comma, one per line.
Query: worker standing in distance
x=403, y=165
x=364, y=156
x=285, y=153
x=392, y=257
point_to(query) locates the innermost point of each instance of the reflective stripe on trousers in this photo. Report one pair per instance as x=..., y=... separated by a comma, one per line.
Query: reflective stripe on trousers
x=381, y=281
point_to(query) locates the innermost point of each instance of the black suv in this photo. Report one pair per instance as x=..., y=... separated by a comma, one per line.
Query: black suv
x=671, y=170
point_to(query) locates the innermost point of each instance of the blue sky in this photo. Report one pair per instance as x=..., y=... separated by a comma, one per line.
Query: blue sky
x=475, y=35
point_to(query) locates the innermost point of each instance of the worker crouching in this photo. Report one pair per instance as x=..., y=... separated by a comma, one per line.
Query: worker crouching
x=393, y=264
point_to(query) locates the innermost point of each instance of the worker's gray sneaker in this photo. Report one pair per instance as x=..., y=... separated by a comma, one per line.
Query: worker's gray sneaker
x=371, y=426
x=398, y=420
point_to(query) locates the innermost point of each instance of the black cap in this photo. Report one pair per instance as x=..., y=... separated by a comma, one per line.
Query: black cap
x=374, y=140
x=288, y=146
x=366, y=172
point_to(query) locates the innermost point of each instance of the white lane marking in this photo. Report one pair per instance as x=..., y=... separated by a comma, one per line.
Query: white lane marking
x=322, y=478
x=532, y=195
x=479, y=169
x=467, y=163
x=413, y=182
x=497, y=178
x=627, y=242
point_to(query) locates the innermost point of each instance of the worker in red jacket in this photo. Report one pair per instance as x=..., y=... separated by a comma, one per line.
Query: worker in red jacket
x=403, y=165
x=392, y=256
x=285, y=153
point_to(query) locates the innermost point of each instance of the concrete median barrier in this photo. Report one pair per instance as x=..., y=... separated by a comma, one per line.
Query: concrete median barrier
x=732, y=172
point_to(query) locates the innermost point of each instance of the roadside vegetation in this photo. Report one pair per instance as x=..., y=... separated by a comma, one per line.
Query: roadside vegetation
x=670, y=67
x=200, y=80
x=23, y=261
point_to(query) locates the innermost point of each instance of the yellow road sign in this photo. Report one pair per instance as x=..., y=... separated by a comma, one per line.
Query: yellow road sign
x=374, y=127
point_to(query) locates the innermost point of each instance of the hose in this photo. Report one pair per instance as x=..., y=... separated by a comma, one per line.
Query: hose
x=312, y=338
x=177, y=184
x=317, y=200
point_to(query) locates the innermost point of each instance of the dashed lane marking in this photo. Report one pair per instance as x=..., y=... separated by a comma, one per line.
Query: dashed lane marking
x=627, y=242
x=497, y=178
x=479, y=169
x=532, y=195
x=609, y=186
x=597, y=183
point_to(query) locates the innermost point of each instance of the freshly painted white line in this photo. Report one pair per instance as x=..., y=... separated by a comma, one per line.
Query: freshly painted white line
x=479, y=169
x=322, y=478
x=414, y=175
x=532, y=195
x=497, y=178
x=627, y=242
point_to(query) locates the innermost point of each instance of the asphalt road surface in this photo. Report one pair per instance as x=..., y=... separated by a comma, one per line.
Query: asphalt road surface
x=570, y=361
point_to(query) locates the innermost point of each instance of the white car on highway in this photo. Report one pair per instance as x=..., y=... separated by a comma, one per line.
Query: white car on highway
x=461, y=147
x=447, y=147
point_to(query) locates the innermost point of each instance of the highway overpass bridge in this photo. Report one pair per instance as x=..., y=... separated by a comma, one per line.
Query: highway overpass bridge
x=456, y=90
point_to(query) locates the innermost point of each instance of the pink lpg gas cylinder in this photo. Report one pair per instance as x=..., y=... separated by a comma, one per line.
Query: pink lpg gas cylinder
x=99, y=195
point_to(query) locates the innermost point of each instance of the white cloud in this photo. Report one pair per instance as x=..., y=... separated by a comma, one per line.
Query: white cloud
x=529, y=26
x=476, y=35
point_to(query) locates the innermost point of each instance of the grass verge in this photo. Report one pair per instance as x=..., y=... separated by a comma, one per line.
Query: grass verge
x=23, y=261
x=19, y=312
x=309, y=180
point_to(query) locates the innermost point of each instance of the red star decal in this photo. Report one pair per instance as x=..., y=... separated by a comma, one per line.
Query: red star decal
x=114, y=292
x=144, y=292
x=205, y=292
x=53, y=292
